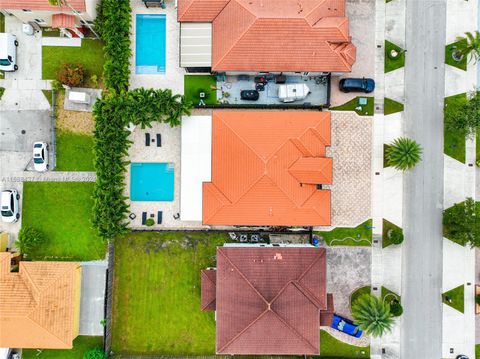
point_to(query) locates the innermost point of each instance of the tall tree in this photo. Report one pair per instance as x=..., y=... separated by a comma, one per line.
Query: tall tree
x=461, y=223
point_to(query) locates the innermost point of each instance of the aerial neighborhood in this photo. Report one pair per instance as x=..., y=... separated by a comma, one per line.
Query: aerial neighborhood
x=241, y=178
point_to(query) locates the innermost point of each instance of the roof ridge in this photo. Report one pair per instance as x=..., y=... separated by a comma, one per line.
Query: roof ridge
x=314, y=261
x=313, y=193
x=25, y=272
x=340, y=56
x=215, y=284
x=311, y=11
x=47, y=330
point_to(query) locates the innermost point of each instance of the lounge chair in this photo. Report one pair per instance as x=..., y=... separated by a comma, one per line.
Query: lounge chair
x=147, y=139
x=159, y=140
x=159, y=217
x=144, y=218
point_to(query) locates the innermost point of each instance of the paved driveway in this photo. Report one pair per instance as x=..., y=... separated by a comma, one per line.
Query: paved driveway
x=92, y=297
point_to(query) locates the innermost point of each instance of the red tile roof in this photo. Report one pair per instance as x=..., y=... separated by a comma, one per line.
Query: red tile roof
x=268, y=35
x=63, y=21
x=265, y=167
x=268, y=300
x=78, y=5
x=209, y=279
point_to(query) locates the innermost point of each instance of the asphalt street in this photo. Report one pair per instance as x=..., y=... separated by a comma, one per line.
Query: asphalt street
x=423, y=191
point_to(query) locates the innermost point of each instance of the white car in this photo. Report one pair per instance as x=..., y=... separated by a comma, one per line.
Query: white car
x=8, y=52
x=9, y=204
x=40, y=156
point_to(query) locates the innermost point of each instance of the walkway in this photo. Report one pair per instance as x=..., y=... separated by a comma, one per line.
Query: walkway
x=423, y=195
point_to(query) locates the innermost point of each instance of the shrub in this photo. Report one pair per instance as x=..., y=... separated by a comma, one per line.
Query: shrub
x=477, y=299
x=404, y=153
x=72, y=75
x=461, y=224
x=96, y=353
x=395, y=235
x=396, y=308
x=464, y=114
x=372, y=315
x=57, y=86
x=28, y=239
x=149, y=222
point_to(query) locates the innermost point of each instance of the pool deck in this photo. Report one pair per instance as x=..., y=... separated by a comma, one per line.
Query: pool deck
x=173, y=77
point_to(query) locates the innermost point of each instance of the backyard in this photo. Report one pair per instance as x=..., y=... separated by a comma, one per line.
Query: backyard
x=62, y=212
x=90, y=55
x=80, y=345
x=343, y=236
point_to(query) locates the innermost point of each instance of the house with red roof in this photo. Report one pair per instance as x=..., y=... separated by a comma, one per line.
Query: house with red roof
x=268, y=300
x=245, y=36
x=70, y=15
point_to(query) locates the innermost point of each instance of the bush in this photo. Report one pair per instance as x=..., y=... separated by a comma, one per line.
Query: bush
x=396, y=235
x=149, y=222
x=72, y=75
x=29, y=239
x=396, y=308
x=404, y=153
x=477, y=299
x=96, y=353
x=460, y=223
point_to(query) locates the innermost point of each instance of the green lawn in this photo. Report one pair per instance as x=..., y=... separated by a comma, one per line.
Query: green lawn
x=333, y=348
x=385, y=157
x=477, y=144
x=454, y=140
x=342, y=236
x=386, y=227
x=388, y=295
x=2, y=22
x=80, y=346
x=48, y=95
x=2, y=90
x=393, y=63
x=359, y=292
x=353, y=104
x=391, y=106
x=90, y=55
x=194, y=84
x=62, y=212
x=449, y=49
x=157, y=293
x=457, y=299
x=477, y=351
x=74, y=151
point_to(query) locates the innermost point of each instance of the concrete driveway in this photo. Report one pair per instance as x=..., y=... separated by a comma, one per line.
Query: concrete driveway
x=92, y=297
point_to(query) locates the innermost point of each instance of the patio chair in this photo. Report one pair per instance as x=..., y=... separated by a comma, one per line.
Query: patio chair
x=147, y=139
x=159, y=140
x=159, y=217
x=144, y=218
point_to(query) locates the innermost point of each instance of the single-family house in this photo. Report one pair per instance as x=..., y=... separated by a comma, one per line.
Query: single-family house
x=268, y=300
x=40, y=304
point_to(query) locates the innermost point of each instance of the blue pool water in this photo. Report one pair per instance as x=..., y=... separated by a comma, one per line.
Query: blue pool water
x=150, y=44
x=151, y=181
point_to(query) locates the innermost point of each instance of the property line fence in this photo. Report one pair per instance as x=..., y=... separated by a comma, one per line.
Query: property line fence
x=107, y=331
x=53, y=150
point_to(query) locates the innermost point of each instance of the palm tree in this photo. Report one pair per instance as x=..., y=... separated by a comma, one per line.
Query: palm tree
x=470, y=45
x=372, y=315
x=404, y=153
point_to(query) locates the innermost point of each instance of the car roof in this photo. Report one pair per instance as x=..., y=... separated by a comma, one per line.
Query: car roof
x=5, y=198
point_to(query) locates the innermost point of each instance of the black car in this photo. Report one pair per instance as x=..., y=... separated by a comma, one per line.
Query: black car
x=250, y=95
x=357, y=85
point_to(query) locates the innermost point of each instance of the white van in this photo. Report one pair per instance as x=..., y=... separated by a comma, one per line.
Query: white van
x=292, y=92
x=8, y=52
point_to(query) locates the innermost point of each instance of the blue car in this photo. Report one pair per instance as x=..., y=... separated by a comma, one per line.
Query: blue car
x=357, y=85
x=346, y=326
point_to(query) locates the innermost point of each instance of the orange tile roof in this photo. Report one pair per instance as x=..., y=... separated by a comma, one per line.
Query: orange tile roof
x=39, y=304
x=265, y=168
x=268, y=35
x=78, y=5
x=63, y=21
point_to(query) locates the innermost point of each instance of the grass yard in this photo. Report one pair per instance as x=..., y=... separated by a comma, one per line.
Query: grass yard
x=74, y=151
x=358, y=293
x=80, y=345
x=194, y=84
x=334, y=348
x=90, y=55
x=2, y=22
x=449, y=49
x=477, y=148
x=391, y=106
x=388, y=295
x=2, y=90
x=342, y=236
x=455, y=298
x=62, y=212
x=48, y=95
x=390, y=62
x=387, y=226
x=454, y=140
x=477, y=351
x=353, y=104
x=157, y=293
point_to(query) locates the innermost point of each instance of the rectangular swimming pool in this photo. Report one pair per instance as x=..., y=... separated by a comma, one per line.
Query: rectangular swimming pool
x=151, y=181
x=150, y=44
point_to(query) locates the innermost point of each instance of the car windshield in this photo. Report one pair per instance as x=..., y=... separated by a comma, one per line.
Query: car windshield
x=37, y=145
x=7, y=213
x=38, y=160
x=355, y=331
x=4, y=62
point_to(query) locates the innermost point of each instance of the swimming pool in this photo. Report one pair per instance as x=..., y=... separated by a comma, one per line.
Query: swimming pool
x=150, y=44
x=151, y=181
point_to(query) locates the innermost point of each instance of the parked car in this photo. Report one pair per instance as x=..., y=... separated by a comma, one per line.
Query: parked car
x=357, y=85
x=8, y=52
x=9, y=204
x=346, y=326
x=461, y=357
x=250, y=95
x=40, y=156
x=293, y=92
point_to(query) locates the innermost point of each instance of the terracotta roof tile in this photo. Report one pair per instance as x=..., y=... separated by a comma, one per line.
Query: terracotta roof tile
x=326, y=316
x=63, y=21
x=269, y=299
x=199, y=10
x=78, y=5
x=39, y=305
x=252, y=183
x=209, y=280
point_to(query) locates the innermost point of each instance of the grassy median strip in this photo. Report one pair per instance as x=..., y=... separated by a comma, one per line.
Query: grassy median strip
x=455, y=298
x=343, y=236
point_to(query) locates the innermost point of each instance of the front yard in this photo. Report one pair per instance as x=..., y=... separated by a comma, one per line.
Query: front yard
x=62, y=212
x=157, y=293
x=80, y=346
x=334, y=348
x=343, y=236
x=454, y=140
